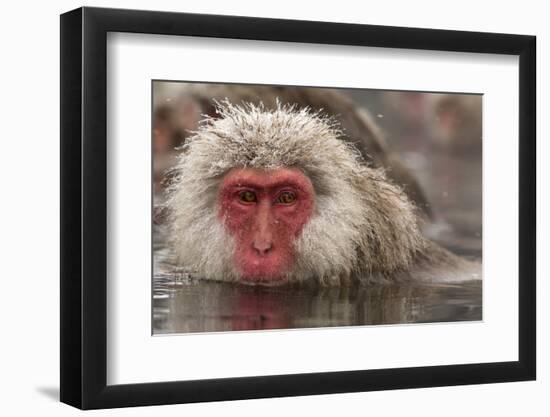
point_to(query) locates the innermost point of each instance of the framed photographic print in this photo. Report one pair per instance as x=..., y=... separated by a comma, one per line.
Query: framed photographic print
x=258, y=208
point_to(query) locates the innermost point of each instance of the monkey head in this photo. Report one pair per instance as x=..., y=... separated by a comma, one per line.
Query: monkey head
x=276, y=196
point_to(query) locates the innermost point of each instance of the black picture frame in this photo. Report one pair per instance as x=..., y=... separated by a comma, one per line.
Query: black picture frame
x=84, y=207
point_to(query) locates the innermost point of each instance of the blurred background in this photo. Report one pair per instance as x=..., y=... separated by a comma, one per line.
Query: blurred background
x=428, y=143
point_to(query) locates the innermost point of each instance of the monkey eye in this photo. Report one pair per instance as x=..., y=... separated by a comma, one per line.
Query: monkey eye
x=247, y=197
x=286, y=197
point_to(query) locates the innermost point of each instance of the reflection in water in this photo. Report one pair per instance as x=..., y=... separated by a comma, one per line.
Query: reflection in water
x=183, y=305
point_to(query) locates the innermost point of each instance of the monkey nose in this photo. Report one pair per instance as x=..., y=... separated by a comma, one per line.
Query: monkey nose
x=262, y=246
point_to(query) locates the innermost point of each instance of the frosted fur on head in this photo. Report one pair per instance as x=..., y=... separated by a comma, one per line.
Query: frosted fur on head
x=362, y=225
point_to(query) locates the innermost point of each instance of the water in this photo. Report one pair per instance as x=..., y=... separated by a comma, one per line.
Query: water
x=185, y=305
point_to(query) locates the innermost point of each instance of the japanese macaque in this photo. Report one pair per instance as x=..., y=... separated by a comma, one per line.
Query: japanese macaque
x=459, y=127
x=276, y=196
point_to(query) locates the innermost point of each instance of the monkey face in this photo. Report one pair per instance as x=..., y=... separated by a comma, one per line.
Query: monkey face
x=265, y=212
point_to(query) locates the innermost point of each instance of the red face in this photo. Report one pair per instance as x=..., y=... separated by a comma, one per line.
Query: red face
x=265, y=211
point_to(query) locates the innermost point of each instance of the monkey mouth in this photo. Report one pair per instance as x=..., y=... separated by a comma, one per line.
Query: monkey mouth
x=263, y=271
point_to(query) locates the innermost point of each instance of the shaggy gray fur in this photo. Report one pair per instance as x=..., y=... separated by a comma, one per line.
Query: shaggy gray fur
x=363, y=228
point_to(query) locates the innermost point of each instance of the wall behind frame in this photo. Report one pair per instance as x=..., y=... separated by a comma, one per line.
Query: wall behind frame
x=29, y=213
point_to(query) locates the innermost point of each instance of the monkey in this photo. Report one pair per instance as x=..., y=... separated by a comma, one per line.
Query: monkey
x=355, y=120
x=459, y=125
x=276, y=196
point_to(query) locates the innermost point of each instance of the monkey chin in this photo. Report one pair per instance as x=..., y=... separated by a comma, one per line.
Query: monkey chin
x=264, y=271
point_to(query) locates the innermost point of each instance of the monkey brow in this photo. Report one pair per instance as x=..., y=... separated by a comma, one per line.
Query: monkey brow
x=276, y=183
x=248, y=183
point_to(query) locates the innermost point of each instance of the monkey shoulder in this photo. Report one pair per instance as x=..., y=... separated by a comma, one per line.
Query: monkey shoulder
x=436, y=264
